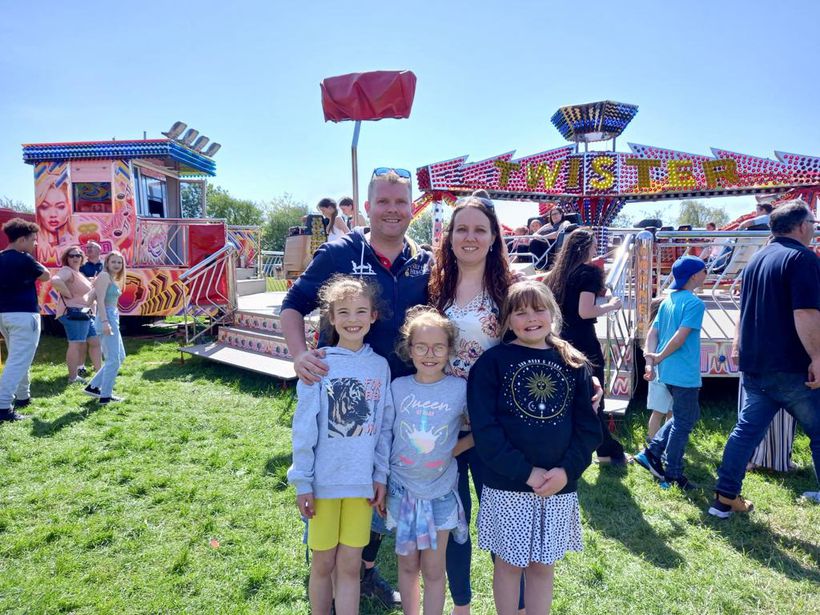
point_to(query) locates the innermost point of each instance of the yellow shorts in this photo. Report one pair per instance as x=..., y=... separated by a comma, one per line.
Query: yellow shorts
x=338, y=521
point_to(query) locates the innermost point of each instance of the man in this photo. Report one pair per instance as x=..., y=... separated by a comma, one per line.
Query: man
x=346, y=205
x=19, y=314
x=386, y=258
x=763, y=212
x=777, y=342
x=93, y=265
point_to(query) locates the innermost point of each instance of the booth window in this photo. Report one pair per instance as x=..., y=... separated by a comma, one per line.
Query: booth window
x=92, y=197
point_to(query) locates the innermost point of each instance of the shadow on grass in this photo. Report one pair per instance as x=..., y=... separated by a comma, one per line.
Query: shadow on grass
x=277, y=467
x=611, y=510
x=51, y=387
x=46, y=429
x=756, y=540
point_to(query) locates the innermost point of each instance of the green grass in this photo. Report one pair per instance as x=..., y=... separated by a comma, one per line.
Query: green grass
x=175, y=501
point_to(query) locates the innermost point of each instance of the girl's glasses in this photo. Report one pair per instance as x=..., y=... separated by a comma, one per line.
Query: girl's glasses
x=439, y=350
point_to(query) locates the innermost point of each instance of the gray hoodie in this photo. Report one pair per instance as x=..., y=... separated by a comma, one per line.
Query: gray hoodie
x=341, y=444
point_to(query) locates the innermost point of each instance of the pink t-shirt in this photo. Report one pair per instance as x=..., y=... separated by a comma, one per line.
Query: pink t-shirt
x=78, y=285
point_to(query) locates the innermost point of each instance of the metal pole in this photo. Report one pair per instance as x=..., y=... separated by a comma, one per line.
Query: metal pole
x=353, y=154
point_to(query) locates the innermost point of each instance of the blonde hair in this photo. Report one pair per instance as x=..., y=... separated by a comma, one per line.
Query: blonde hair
x=424, y=316
x=390, y=177
x=341, y=287
x=536, y=295
x=119, y=278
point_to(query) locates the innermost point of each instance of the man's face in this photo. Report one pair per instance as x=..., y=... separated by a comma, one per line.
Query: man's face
x=93, y=253
x=389, y=210
x=807, y=230
x=29, y=244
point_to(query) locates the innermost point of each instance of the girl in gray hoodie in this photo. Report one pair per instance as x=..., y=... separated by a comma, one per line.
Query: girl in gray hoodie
x=341, y=446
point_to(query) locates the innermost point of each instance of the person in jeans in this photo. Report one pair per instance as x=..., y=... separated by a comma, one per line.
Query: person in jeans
x=19, y=314
x=781, y=360
x=108, y=288
x=676, y=332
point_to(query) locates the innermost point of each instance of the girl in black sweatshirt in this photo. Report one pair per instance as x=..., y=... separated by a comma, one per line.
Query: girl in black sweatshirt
x=535, y=429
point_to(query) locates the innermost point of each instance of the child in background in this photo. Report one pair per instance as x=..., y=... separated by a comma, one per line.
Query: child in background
x=341, y=446
x=658, y=397
x=422, y=494
x=535, y=429
x=676, y=332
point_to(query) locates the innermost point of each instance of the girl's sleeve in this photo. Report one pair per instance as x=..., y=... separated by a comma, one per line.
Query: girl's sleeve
x=586, y=429
x=305, y=433
x=490, y=439
x=382, y=458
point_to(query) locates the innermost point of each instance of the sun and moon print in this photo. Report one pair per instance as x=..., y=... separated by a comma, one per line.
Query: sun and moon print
x=538, y=390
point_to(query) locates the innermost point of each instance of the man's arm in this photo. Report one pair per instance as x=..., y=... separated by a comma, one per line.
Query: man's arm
x=308, y=363
x=807, y=323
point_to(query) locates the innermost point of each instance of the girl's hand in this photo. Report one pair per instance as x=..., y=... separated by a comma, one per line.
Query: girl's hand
x=463, y=444
x=305, y=504
x=377, y=501
x=537, y=478
x=598, y=394
x=653, y=358
x=107, y=328
x=614, y=304
x=555, y=480
x=649, y=373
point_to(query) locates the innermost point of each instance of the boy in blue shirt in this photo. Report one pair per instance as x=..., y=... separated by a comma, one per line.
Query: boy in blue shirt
x=676, y=332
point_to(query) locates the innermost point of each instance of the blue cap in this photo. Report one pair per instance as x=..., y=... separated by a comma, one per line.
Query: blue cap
x=684, y=268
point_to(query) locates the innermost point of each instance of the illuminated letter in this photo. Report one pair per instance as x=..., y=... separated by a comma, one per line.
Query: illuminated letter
x=602, y=166
x=680, y=174
x=723, y=168
x=506, y=168
x=543, y=172
x=574, y=173
x=643, y=165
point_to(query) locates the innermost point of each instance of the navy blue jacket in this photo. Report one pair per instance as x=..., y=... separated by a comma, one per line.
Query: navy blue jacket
x=403, y=286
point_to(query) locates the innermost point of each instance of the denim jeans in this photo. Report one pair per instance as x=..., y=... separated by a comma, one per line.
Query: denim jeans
x=21, y=330
x=671, y=440
x=112, y=350
x=765, y=394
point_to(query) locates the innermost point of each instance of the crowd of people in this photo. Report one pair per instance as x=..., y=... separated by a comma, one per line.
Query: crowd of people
x=495, y=380
x=87, y=291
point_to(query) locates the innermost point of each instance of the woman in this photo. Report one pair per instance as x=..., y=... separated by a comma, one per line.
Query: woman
x=468, y=283
x=53, y=216
x=74, y=313
x=576, y=284
x=336, y=227
x=547, y=235
x=108, y=288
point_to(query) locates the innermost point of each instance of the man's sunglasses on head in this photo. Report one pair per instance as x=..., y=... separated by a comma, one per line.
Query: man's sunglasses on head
x=379, y=171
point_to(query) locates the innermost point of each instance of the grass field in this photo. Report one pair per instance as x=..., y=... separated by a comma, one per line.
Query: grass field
x=175, y=501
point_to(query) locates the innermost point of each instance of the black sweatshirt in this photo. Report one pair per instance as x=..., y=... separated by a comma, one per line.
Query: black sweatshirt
x=530, y=409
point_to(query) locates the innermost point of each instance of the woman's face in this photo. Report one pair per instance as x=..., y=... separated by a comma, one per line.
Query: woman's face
x=115, y=264
x=74, y=258
x=593, y=252
x=556, y=215
x=534, y=226
x=472, y=236
x=53, y=210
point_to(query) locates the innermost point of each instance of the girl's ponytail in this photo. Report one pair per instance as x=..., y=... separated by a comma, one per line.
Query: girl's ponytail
x=569, y=354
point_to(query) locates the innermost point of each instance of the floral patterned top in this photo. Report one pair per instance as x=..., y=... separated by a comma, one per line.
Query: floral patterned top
x=478, y=330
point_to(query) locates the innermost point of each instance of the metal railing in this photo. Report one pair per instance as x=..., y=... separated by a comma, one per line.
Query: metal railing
x=209, y=292
x=163, y=242
x=273, y=264
x=621, y=324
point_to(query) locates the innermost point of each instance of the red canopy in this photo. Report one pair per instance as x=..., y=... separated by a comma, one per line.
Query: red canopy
x=368, y=96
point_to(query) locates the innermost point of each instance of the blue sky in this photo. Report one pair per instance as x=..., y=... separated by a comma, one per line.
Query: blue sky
x=735, y=75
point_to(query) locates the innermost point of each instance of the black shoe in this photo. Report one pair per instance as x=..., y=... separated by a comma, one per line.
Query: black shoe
x=683, y=483
x=647, y=460
x=19, y=404
x=110, y=400
x=374, y=586
x=92, y=391
x=82, y=372
x=7, y=414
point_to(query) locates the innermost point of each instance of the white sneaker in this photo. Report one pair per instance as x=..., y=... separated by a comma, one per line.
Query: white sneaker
x=814, y=496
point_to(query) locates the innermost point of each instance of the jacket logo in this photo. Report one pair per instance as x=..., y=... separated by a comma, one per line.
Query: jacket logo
x=363, y=269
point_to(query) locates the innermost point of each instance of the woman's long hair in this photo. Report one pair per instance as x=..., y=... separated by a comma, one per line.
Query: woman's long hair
x=573, y=254
x=444, y=275
x=119, y=277
x=529, y=293
x=329, y=204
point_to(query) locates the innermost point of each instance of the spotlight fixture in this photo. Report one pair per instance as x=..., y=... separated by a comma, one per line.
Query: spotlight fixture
x=200, y=143
x=175, y=130
x=189, y=137
x=213, y=148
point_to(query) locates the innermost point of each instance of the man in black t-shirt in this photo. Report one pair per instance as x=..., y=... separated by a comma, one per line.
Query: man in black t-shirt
x=778, y=345
x=19, y=314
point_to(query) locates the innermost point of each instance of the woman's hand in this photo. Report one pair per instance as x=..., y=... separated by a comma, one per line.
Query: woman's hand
x=107, y=330
x=305, y=504
x=555, y=480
